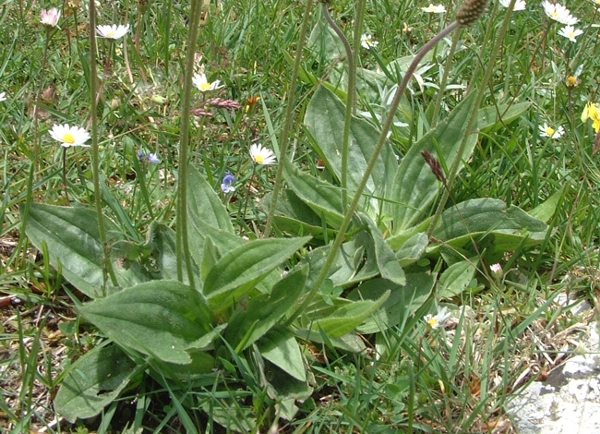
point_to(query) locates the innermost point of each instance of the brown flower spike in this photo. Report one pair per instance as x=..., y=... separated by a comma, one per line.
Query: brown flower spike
x=470, y=12
x=434, y=165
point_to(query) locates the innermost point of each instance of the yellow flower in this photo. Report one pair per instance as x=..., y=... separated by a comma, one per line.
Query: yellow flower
x=572, y=81
x=592, y=111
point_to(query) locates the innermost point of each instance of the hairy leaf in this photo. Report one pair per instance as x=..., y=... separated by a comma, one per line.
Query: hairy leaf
x=72, y=238
x=160, y=318
x=279, y=347
x=240, y=269
x=415, y=186
x=93, y=381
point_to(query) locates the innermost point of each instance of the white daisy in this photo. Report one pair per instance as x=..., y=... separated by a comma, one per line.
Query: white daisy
x=559, y=13
x=434, y=9
x=49, y=17
x=570, y=33
x=548, y=131
x=436, y=321
x=69, y=135
x=113, y=31
x=203, y=84
x=367, y=41
x=261, y=155
x=519, y=4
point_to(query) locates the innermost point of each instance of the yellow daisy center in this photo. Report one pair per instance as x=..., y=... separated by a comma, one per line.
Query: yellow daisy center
x=205, y=86
x=259, y=159
x=110, y=34
x=432, y=322
x=68, y=138
x=549, y=131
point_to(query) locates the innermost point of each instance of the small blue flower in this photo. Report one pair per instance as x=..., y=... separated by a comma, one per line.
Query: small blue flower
x=227, y=184
x=147, y=158
x=152, y=158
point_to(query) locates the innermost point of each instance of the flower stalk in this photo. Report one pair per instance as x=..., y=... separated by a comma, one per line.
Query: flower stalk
x=107, y=270
x=289, y=114
x=350, y=96
x=182, y=245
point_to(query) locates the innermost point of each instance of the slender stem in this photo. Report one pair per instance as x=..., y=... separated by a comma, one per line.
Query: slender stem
x=248, y=194
x=372, y=162
x=440, y=96
x=350, y=103
x=36, y=147
x=107, y=265
x=289, y=114
x=64, y=173
x=183, y=248
x=471, y=119
x=358, y=22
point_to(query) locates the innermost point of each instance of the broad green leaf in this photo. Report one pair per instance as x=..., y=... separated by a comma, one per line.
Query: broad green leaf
x=491, y=118
x=95, y=380
x=265, y=310
x=283, y=388
x=350, y=342
x=240, y=269
x=347, y=318
x=460, y=223
x=294, y=217
x=349, y=265
x=413, y=249
x=401, y=304
x=325, y=43
x=386, y=260
x=279, y=347
x=456, y=278
x=202, y=367
x=204, y=204
x=164, y=245
x=322, y=197
x=210, y=257
x=415, y=186
x=72, y=238
x=546, y=210
x=324, y=120
x=222, y=240
x=160, y=318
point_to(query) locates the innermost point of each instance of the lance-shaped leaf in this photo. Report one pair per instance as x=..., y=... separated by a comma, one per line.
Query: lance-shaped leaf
x=93, y=381
x=265, y=310
x=510, y=225
x=241, y=268
x=72, y=238
x=456, y=278
x=349, y=266
x=399, y=306
x=204, y=204
x=322, y=197
x=386, y=260
x=348, y=317
x=279, y=347
x=160, y=318
x=494, y=117
x=325, y=121
x=415, y=186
